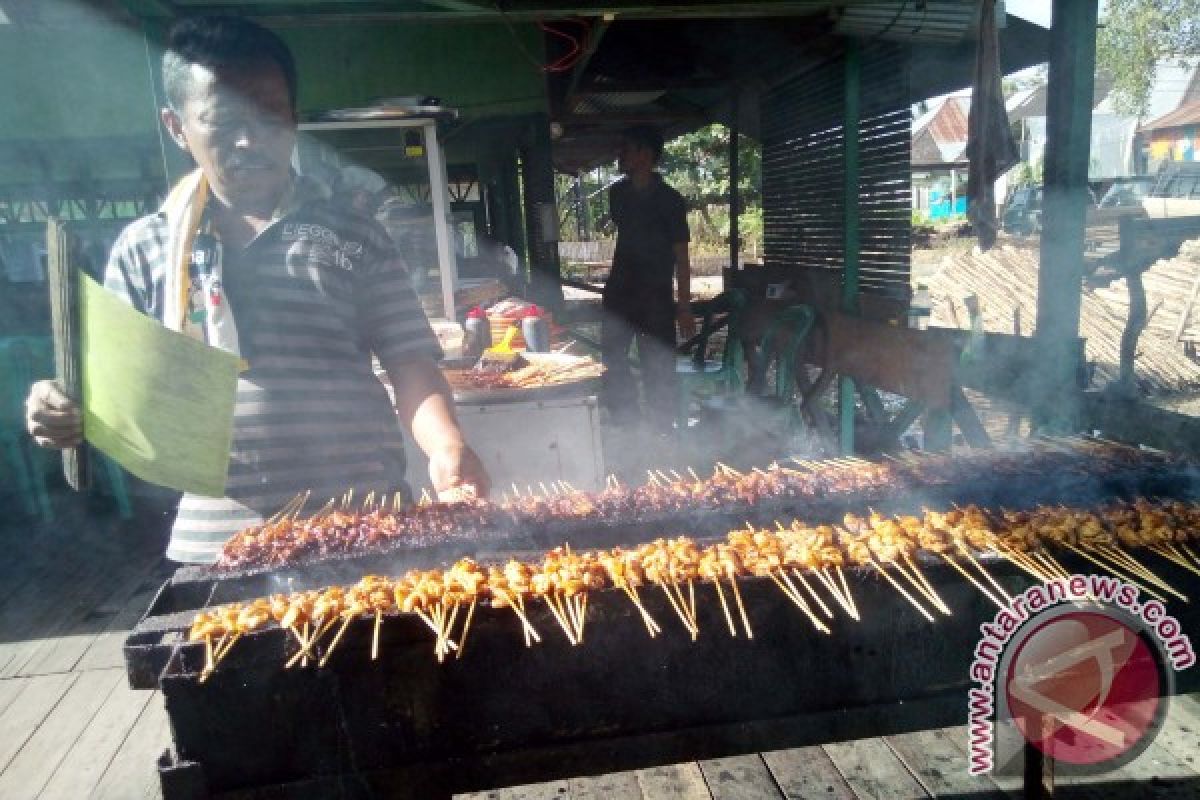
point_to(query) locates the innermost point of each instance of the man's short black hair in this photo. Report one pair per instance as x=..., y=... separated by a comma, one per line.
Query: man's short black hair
x=646, y=137
x=220, y=42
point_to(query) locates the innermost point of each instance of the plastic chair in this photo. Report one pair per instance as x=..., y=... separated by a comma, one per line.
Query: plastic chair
x=695, y=370
x=780, y=344
x=18, y=357
x=24, y=360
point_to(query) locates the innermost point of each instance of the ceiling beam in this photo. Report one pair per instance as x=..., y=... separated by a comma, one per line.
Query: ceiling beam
x=150, y=9
x=297, y=12
x=595, y=34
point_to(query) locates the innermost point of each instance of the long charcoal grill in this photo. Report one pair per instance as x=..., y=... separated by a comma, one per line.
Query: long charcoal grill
x=407, y=726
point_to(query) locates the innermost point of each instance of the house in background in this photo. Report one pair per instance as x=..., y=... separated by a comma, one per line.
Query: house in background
x=1122, y=145
x=1175, y=136
x=939, y=159
x=1119, y=147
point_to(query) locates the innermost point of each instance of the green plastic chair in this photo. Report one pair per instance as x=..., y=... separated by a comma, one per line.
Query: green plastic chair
x=780, y=344
x=695, y=371
x=24, y=360
x=18, y=364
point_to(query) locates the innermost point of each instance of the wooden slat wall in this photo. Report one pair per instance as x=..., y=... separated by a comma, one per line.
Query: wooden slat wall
x=802, y=169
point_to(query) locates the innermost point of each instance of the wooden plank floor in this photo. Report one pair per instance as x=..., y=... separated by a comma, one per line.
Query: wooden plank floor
x=71, y=728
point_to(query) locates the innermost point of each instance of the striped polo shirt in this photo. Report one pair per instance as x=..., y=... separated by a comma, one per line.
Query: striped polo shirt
x=313, y=296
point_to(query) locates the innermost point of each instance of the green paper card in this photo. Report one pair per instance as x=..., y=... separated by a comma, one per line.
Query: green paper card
x=157, y=402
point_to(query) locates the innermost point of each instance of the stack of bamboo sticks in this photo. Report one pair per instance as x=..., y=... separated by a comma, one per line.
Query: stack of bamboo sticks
x=1005, y=281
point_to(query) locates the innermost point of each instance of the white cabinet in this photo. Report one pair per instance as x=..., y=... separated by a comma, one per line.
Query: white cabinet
x=529, y=442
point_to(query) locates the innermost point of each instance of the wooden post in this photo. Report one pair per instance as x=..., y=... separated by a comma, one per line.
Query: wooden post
x=735, y=175
x=541, y=215
x=62, y=262
x=1064, y=206
x=850, y=233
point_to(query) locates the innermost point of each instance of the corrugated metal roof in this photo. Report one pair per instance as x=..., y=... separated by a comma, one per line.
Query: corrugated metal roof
x=947, y=124
x=933, y=21
x=1188, y=114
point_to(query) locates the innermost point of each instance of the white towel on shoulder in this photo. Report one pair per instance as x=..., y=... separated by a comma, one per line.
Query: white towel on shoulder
x=184, y=210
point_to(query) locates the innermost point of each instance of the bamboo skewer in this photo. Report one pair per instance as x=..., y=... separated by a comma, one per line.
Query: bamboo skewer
x=929, y=591
x=651, y=625
x=831, y=585
x=815, y=596
x=798, y=601
x=896, y=585
x=462, y=640
x=916, y=584
x=516, y=603
x=971, y=557
x=337, y=638
x=1019, y=559
x=1111, y=569
x=846, y=591
x=737, y=596
x=375, y=635
x=1137, y=568
x=725, y=608
x=1173, y=554
x=972, y=579
x=562, y=622
x=678, y=611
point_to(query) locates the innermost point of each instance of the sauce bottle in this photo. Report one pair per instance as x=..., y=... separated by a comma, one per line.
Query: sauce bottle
x=535, y=331
x=478, y=333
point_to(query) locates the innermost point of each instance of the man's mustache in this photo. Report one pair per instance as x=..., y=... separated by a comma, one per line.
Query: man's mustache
x=249, y=162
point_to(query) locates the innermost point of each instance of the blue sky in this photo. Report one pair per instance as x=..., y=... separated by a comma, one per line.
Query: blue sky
x=1033, y=10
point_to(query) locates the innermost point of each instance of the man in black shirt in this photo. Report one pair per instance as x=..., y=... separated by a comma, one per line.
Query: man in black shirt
x=652, y=249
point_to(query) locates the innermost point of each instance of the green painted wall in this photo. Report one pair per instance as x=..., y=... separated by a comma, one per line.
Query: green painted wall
x=89, y=81
x=477, y=68
x=93, y=81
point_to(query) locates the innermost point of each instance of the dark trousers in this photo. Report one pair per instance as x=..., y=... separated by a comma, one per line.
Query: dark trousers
x=647, y=317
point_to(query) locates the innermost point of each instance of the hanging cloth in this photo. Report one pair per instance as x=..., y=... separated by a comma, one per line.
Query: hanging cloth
x=991, y=148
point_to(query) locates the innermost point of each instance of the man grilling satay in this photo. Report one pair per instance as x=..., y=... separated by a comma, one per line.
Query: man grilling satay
x=249, y=257
x=651, y=251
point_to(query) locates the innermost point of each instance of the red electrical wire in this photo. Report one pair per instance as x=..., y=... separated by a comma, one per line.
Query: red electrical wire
x=569, y=60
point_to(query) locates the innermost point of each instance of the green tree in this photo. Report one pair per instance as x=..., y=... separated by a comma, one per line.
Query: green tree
x=1139, y=34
